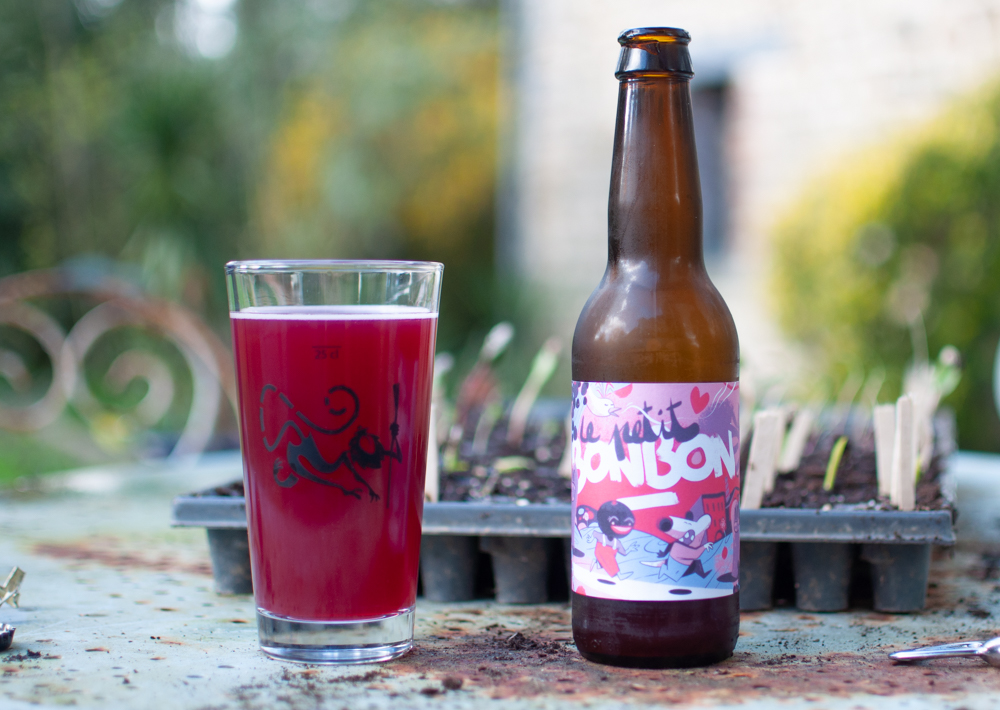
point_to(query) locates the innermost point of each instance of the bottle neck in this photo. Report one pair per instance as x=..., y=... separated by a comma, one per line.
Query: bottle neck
x=654, y=212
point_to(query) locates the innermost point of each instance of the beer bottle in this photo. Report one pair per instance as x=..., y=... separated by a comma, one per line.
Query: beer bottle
x=655, y=433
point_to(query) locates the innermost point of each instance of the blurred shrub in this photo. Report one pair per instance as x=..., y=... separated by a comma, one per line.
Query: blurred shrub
x=170, y=136
x=115, y=143
x=900, y=243
x=327, y=129
x=386, y=148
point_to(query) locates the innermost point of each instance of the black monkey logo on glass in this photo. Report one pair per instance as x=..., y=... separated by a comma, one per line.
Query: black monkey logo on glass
x=302, y=459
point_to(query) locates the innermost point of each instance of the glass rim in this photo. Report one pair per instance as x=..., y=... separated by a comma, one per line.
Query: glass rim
x=287, y=266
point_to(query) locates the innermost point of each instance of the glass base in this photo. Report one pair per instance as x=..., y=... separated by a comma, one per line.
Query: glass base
x=340, y=642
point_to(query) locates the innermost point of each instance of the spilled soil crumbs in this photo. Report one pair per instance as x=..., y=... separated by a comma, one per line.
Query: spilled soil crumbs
x=509, y=664
x=108, y=552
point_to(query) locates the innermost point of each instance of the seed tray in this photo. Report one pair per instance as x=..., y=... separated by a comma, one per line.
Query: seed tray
x=528, y=551
x=521, y=543
x=830, y=549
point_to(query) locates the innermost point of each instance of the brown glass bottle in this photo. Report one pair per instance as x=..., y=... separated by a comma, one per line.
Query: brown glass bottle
x=655, y=317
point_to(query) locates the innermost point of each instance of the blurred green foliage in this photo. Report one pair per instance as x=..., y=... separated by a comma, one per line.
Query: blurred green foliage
x=332, y=129
x=902, y=243
x=329, y=129
x=21, y=455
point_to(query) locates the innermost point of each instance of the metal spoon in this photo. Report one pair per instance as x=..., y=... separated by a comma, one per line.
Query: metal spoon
x=989, y=651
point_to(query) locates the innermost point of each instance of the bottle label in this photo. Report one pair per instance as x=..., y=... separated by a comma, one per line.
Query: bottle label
x=656, y=490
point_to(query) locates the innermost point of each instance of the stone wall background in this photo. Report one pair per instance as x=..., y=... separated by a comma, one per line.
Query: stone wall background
x=806, y=85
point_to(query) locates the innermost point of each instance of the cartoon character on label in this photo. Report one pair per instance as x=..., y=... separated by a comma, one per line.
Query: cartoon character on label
x=683, y=555
x=655, y=481
x=615, y=521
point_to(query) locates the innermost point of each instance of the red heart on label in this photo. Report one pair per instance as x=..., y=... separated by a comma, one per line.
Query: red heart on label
x=624, y=391
x=699, y=400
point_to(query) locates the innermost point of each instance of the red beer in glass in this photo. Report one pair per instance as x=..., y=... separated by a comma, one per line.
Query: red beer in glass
x=334, y=364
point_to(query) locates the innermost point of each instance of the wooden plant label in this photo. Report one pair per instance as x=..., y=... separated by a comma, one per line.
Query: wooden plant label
x=904, y=456
x=768, y=431
x=885, y=440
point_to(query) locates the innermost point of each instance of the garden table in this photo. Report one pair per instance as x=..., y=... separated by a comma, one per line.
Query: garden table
x=118, y=610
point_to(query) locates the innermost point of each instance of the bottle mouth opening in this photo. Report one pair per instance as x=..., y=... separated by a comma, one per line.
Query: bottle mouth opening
x=665, y=35
x=651, y=51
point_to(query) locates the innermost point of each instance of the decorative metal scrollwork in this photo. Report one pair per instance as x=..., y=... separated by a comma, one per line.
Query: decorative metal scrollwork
x=37, y=397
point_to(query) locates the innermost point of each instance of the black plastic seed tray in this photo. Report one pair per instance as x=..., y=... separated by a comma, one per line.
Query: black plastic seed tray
x=830, y=549
x=527, y=547
x=521, y=543
x=819, y=552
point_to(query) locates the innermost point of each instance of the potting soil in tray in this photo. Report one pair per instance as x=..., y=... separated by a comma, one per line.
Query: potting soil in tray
x=506, y=473
x=856, y=483
x=529, y=474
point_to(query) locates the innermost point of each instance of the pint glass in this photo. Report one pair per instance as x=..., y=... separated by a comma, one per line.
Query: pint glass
x=334, y=362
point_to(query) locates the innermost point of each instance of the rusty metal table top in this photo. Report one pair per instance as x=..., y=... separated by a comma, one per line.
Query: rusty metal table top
x=117, y=611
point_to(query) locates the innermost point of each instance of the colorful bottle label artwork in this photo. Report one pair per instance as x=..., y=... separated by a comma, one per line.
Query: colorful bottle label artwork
x=656, y=490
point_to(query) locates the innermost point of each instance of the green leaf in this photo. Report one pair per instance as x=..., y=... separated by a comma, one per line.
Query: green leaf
x=836, y=453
